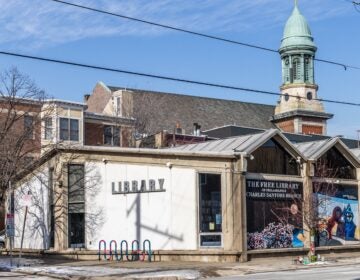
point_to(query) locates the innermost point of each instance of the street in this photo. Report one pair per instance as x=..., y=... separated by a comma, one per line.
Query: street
x=351, y=272
x=20, y=276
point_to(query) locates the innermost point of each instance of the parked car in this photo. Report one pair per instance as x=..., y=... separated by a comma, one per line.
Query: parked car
x=2, y=239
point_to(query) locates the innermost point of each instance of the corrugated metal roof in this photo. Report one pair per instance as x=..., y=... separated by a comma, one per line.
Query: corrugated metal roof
x=242, y=144
x=314, y=149
x=356, y=152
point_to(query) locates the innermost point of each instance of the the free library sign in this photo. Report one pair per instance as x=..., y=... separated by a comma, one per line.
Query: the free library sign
x=138, y=186
x=266, y=190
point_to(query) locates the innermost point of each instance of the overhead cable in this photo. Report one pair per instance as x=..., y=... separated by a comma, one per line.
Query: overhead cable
x=345, y=66
x=168, y=78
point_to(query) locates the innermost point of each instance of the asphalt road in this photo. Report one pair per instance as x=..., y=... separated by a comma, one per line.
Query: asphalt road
x=20, y=276
x=329, y=273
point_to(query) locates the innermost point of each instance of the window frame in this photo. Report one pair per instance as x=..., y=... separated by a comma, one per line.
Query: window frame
x=296, y=65
x=114, y=135
x=48, y=128
x=217, y=233
x=76, y=202
x=29, y=127
x=68, y=131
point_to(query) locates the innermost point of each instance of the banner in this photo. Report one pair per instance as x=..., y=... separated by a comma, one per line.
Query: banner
x=274, y=214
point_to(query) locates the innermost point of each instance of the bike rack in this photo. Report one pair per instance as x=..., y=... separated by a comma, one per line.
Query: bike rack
x=126, y=251
x=149, y=252
x=136, y=253
x=102, y=242
x=115, y=251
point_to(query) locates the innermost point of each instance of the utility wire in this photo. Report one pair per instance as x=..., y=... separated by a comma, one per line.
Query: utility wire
x=168, y=78
x=345, y=66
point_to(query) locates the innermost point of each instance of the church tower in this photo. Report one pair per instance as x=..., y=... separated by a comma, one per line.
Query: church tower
x=299, y=110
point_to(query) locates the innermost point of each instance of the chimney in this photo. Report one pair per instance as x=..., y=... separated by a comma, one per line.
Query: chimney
x=178, y=129
x=197, y=131
x=86, y=97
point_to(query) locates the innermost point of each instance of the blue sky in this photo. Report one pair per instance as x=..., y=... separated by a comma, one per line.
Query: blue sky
x=45, y=28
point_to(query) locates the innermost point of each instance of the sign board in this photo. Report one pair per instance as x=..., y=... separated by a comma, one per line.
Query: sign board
x=9, y=216
x=26, y=200
x=273, y=190
x=10, y=225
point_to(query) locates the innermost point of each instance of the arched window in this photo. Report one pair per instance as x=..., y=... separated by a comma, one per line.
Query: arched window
x=296, y=69
x=286, y=70
x=307, y=68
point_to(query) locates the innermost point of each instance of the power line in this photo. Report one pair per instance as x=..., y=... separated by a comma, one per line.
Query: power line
x=356, y=4
x=168, y=78
x=208, y=36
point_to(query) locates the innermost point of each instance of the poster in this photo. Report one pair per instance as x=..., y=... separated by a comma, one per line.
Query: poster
x=274, y=214
x=338, y=216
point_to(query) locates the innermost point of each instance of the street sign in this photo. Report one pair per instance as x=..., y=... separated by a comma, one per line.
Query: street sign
x=9, y=216
x=26, y=200
x=10, y=225
x=10, y=231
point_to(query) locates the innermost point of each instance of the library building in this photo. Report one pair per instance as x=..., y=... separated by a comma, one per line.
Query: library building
x=227, y=199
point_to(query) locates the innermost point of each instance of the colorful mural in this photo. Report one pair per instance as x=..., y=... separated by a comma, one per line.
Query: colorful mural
x=338, y=216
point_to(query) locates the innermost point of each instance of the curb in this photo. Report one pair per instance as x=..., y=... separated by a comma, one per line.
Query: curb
x=302, y=267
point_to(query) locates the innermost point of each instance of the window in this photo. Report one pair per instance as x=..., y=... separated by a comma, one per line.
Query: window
x=51, y=208
x=48, y=128
x=74, y=130
x=309, y=95
x=286, y=97
x=286, y=70
x=111, y=135
x=118, y=106
x=334, y=165
x=307, y=68
x=210, y=215
x=296, y=69
x=29, y=127
x=69, y=129
x=76, y=205
x=272, y=158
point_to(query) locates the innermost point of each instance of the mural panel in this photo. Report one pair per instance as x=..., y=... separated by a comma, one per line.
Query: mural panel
x=338, y=215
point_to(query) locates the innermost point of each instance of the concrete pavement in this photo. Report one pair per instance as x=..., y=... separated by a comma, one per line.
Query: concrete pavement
x=270, y=268
x=351, y=272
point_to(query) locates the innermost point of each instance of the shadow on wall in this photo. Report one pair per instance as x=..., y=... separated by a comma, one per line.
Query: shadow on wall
x=47, y=218
x=36, y=228
x=136, y=207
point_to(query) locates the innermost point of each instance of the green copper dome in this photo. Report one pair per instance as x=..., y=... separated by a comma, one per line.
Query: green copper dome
x=297, y=32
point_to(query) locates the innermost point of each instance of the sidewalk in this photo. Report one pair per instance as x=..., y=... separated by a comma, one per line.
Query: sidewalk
x=65, y=269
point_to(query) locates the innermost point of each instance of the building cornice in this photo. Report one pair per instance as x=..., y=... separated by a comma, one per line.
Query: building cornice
x=301, y=113
x=302, y=85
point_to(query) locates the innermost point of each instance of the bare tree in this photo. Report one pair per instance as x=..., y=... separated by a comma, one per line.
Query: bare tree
x=56, y=192
x=21, y=114
x=145, y=106
x=305, y=214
